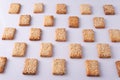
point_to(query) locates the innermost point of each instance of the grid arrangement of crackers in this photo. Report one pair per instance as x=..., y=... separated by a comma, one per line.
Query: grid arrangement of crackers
x=59, y=65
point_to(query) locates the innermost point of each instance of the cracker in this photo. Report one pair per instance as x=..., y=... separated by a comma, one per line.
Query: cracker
x=46, y=50
x=75, y=50
x=60, y=34
x=14, y=8
x=25, y=20
x=59, y=67
x=85, y=9
x=99, y=22
x=35, y=34
x=114, y=35
x=38, y=8
x=73, y=22
x=88, y=35
x=48, y=20
x=103, y=50
x=3, y=61
x=8, y=33
x=30, y=66
x=19, y=49
x=109, y=10
x=61, y=9
x=117, y=63
x=92, y=68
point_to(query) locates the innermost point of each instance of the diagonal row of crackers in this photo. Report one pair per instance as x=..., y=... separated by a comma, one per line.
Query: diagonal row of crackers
x=73, y=21
x=58, y=67
x=85, y=9
x=75, y=50
x=61, y=34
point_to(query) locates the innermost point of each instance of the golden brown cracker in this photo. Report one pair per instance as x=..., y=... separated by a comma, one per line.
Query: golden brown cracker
x=88, y=35
x=60, y=34
x=35, y=34
x=75, y=50
x=99, y=22
x=73, y=22
x=3, y=61
x=38, y=8
x=103, y=50
x=92, y=68
x=61, y=9
x=109, y=9
x=46, y=50
x=19, y=49
x=48, y=20
x=14, y=8
x=8, y=33
x=25, y=20
x=59, y=67
x=30, y=66
x=85, y=9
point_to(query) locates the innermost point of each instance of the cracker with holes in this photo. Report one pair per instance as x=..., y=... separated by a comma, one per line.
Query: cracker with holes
x=48, y=20
x=35, y=34
x=75, y=50
x=85, y=9
x=8, y=33
x=25, y=20
x=38, y=8
x=88, y=35
x=59, y=67
x=99, y=22
x=30, y=66
x=19, y=49
x=114, y=35
x=92, y=68
x=3, y=61
x=14, y=8
x=73, y=22
x=46, y=50
x=60, y=35
x=103, y=50
x=109, y=9
x=61, y=9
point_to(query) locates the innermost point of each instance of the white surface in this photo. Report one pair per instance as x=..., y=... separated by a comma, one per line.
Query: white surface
x=75, y=67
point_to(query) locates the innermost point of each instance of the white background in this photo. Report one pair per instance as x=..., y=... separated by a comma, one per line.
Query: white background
x=75, y=67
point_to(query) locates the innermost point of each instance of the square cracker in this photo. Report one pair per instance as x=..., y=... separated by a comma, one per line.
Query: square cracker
x=48, y=20
x=3, y=61
x=103, y=50
x=61, y=9
x=38, y=8
x=14, y=8
x=8, y=33
x=99, y=22
x=114, y=35
x=60, y=34
x=92, y=68
x=75, y=50
x=109, y=10
x=30, y=66
x=117, y=63
x=85, y=9
x=73, y=22
x=46, y=50
x=35, y=34
x=59, y=67
x=25, y=20
x=19, y=49
x=88, y=35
